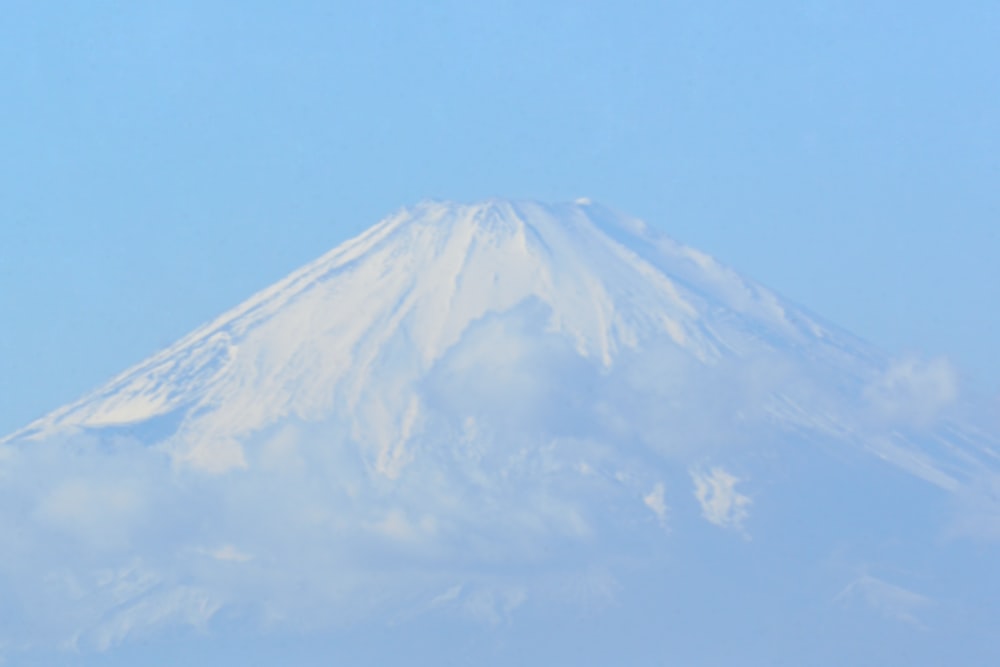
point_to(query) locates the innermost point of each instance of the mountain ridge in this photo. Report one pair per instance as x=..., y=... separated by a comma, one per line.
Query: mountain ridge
x=500, y=414
x=497, y=213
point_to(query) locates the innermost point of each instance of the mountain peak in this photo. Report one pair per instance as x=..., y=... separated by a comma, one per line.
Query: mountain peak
x=473, y=405
x=390, y=304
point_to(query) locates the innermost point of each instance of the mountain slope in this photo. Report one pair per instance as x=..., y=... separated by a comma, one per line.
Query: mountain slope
x=493, y=411
x=420, y=279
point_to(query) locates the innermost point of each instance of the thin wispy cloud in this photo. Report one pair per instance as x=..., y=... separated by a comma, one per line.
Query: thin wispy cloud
x=887, y=599
x=914, y=392
x=655, y=500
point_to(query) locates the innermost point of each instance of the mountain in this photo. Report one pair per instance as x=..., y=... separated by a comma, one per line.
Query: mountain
x=523, y=421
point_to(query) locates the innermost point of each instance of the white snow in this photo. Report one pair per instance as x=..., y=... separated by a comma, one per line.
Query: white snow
x=721, y=504
x=478, y=408
x=361, y=325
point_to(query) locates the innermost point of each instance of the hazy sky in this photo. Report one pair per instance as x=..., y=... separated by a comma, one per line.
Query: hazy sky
x=159, y=162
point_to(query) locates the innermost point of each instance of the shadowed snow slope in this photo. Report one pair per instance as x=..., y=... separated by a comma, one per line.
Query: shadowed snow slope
x=514, y=419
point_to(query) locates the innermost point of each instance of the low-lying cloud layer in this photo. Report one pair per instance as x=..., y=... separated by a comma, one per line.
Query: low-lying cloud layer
x=533, y=476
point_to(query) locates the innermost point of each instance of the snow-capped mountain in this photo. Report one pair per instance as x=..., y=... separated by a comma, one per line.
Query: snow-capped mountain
x=486, y=410
x=333, y=334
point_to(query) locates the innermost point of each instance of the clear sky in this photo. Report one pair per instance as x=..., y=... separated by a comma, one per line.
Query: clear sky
x=159, y=162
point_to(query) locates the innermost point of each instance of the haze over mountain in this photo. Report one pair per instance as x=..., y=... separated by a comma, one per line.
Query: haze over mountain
x=549, y=426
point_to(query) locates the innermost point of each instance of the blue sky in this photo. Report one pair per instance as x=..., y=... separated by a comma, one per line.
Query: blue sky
x=159, y=162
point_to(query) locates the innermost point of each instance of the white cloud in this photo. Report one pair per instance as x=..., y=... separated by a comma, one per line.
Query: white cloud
x=913, y=392
x=889, y=600
x=209, y=454
x=720, y=502
x=655, y=501
x=980, y=515
x=447, y=597
x=227, y=553
x=519, y=465
x=495, y=605
x=396, y=526
x=182, y=605
x=97, y=512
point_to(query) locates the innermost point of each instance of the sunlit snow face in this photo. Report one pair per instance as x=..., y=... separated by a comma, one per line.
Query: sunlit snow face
x=520, y=457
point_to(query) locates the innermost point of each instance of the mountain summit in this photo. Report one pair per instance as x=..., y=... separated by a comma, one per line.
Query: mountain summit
x=498, y=411
x=358, y=329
